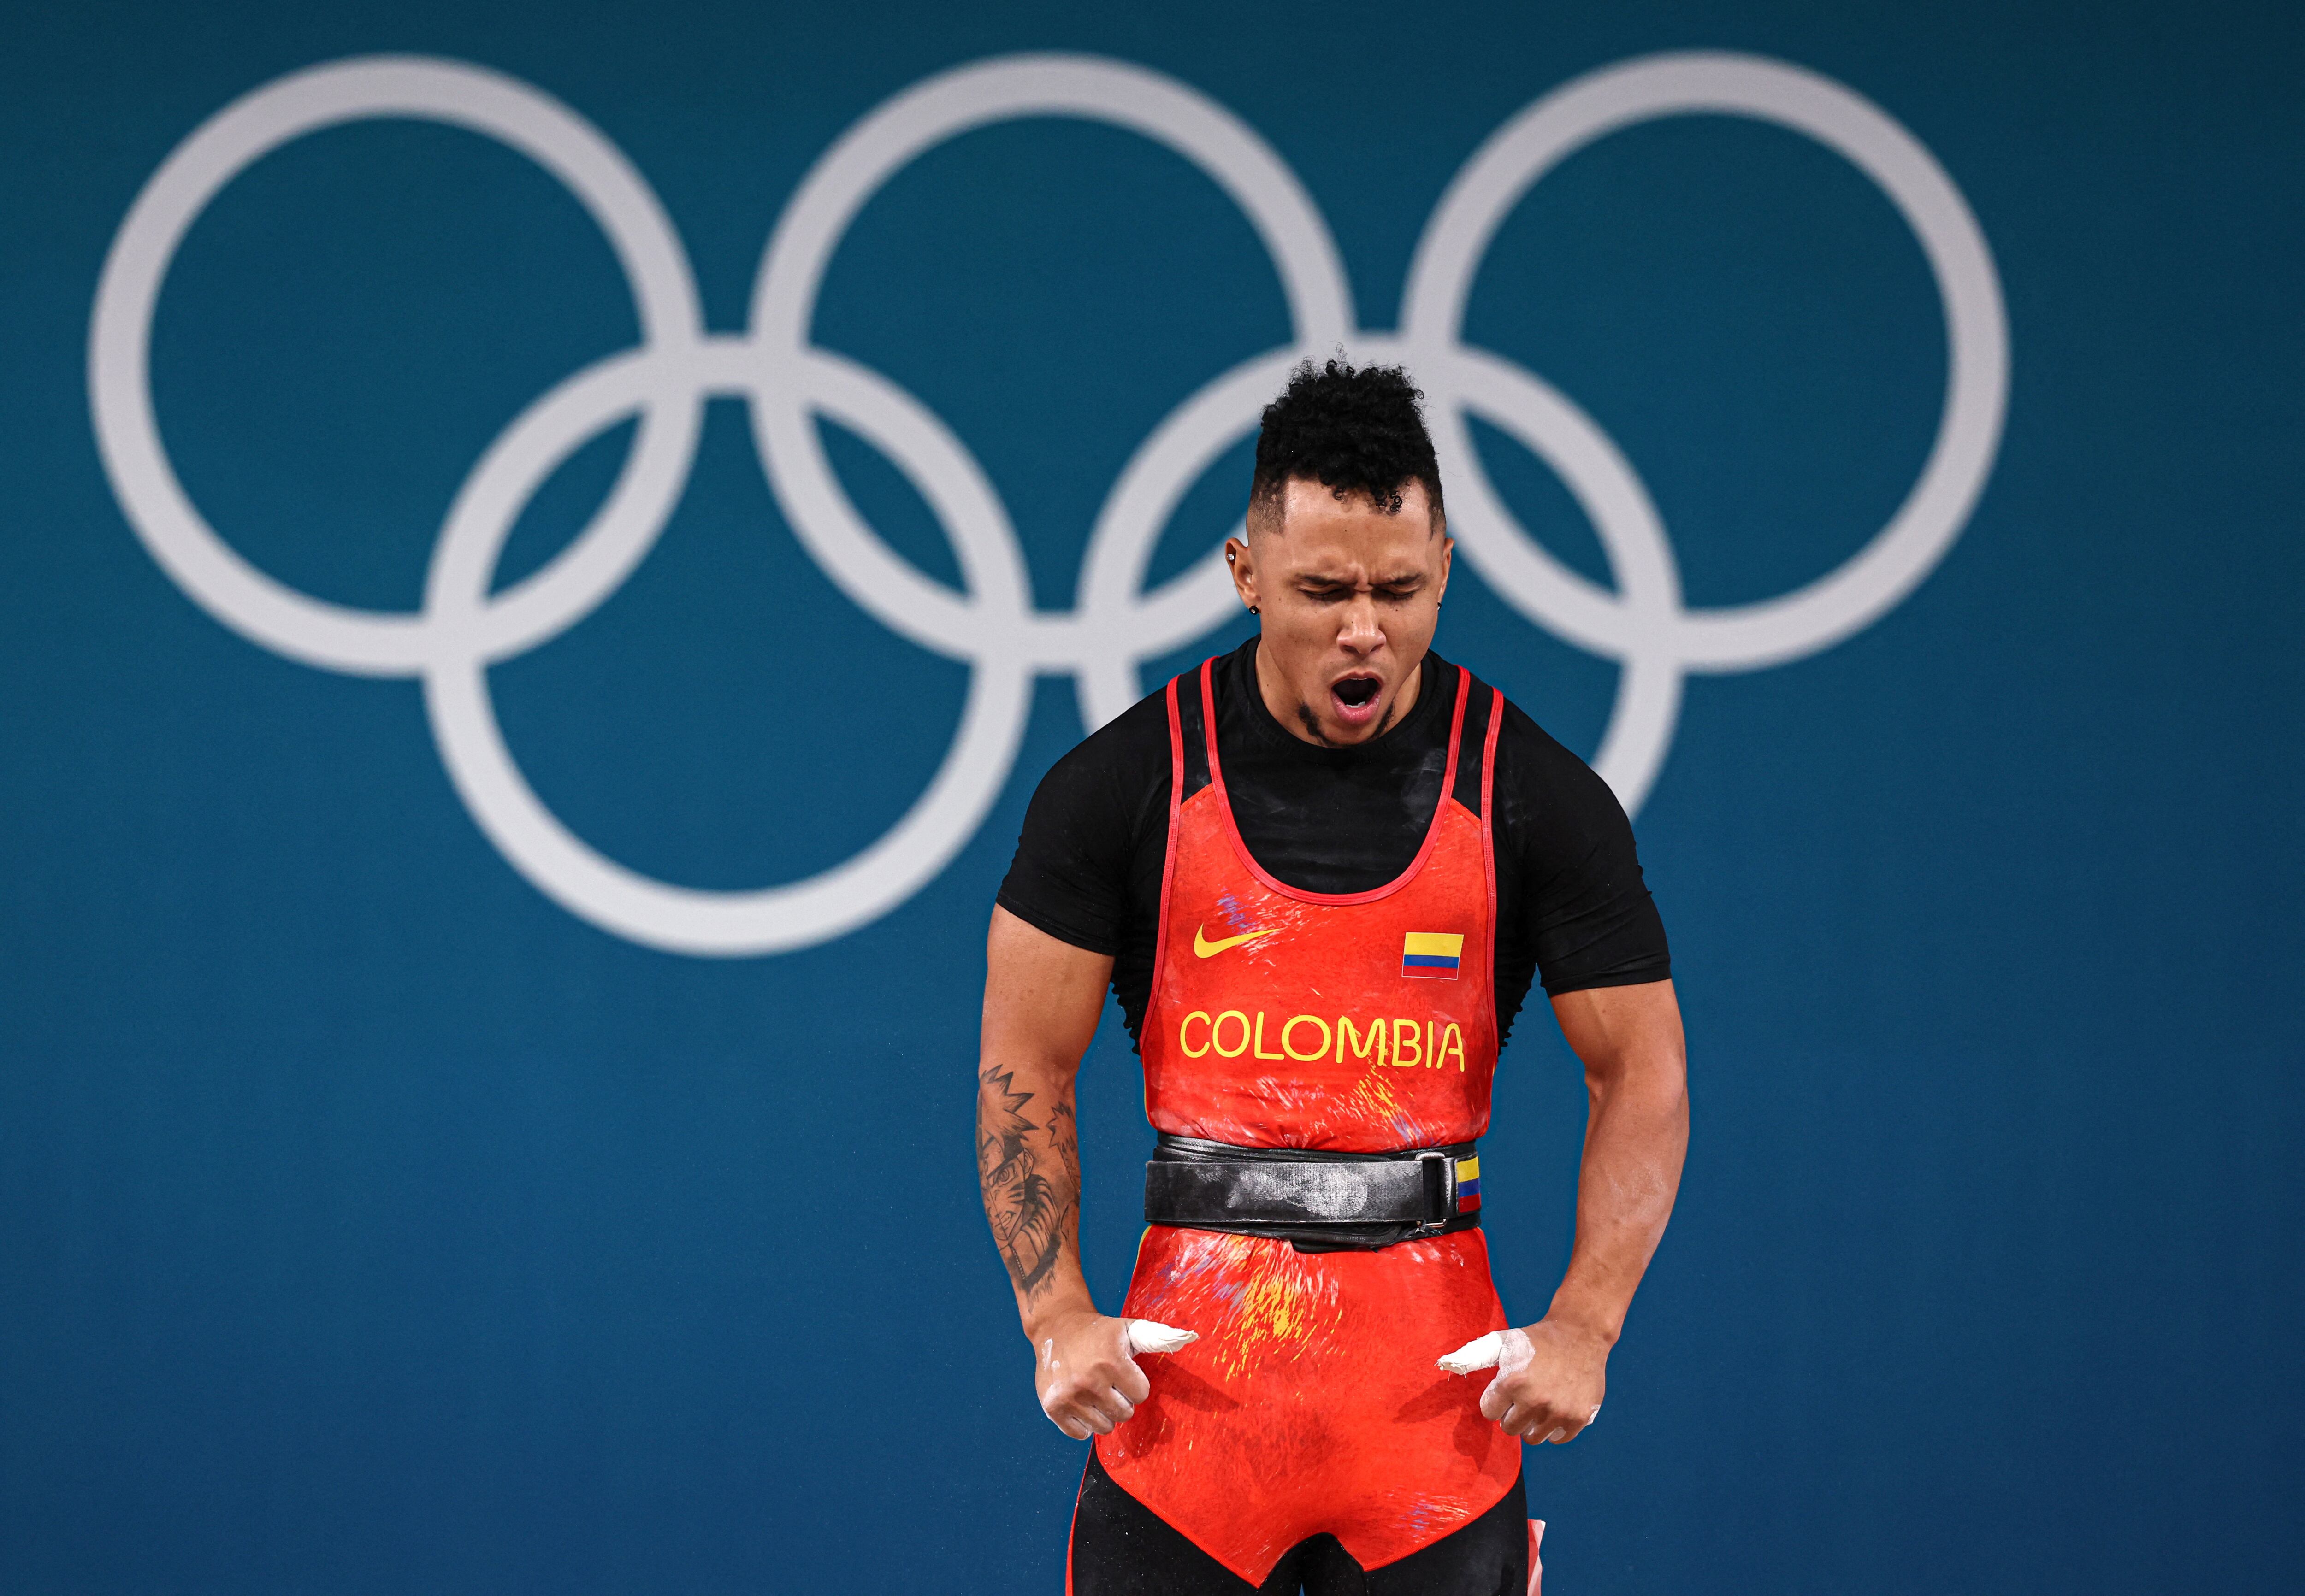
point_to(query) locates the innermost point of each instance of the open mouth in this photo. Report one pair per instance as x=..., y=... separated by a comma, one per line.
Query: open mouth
x=1356, y=696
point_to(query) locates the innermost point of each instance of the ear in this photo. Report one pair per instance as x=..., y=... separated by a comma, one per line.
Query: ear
x=1448, y=548
x=1243, y=565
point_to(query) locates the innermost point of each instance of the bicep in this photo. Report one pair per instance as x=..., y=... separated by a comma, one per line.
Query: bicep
x=1617, y=1029
x=1043, y=995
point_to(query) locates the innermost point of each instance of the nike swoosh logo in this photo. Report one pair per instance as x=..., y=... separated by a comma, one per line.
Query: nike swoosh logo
x=1206, y=948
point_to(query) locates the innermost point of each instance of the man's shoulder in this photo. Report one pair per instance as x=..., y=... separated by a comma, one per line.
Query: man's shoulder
x=1538, y=775
x=1530, y=745
x=1120, y=760
x=1085, y=830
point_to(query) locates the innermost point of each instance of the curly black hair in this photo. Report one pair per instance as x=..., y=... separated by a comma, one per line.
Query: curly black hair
x=1352, y=431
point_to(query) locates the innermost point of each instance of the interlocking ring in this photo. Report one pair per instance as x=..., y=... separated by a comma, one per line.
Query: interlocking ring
x=990, y=622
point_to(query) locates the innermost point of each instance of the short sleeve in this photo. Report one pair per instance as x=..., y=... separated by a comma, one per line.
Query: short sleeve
x=1577, y=908
x=1073, y=875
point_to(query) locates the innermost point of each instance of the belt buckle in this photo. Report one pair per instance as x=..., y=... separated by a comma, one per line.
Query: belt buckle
x=1433, y=1225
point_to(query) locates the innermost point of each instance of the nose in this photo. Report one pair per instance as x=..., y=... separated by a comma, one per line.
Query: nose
x=1358, y=631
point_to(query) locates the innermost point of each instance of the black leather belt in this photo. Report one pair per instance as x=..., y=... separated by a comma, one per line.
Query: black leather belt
x=1320, y=1201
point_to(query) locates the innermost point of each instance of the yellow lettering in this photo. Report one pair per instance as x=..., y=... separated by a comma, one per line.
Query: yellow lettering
x=1289, y=1048
x=1405, y=1038
x=1216, y=1033
x=1452, y=1040
x=1261, y=1053
x=1184, y=1047
x=1432, y=1059
x=1377, y=1033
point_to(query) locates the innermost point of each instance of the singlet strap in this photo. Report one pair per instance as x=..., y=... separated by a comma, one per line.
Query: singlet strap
x=1472, y=773
x=1489, y=808
x=1188, y=742
x=1209, y=722
x=1169, y=849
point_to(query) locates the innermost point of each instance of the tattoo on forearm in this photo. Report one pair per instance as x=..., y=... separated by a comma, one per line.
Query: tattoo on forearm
x=1030, y=1175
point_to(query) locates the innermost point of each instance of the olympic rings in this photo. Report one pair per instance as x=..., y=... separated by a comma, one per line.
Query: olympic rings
x=990, y=623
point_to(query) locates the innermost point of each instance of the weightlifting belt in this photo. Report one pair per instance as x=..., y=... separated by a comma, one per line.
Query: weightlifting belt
x=1319, y=1202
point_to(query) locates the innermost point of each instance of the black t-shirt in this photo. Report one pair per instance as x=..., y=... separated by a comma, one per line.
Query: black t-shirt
x=1571, y=902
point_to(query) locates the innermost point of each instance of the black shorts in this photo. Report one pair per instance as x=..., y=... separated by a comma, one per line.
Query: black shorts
x=1121, y=1548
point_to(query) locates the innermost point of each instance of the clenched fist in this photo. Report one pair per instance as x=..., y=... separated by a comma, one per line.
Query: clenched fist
x=1087, y=1379
x=1551, y=1377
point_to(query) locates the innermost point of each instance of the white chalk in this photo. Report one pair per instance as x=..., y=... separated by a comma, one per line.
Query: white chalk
x=1480, y=1352
x=1145, y=1335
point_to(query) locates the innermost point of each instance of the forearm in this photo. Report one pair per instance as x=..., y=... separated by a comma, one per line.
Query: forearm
x=1028, y=1165
x=1042, y=1001
x=1634, y=1143
x=1635, y=1140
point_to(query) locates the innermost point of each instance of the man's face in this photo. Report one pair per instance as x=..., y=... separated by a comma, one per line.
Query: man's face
x=1349, y=596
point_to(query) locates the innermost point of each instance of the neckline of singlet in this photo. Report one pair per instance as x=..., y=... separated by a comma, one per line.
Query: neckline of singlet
x=1274, y=883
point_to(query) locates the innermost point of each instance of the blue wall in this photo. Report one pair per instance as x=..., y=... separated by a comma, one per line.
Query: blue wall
x=371, y=1222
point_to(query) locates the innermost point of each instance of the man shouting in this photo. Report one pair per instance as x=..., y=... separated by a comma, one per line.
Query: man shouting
x=1319, y=873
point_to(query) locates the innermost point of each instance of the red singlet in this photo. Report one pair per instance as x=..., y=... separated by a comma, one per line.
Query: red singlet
x=1281, y=1018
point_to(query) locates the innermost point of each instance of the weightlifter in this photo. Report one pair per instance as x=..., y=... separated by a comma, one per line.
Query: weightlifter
x=1319, y=873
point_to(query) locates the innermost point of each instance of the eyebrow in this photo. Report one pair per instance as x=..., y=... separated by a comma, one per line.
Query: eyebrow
x=1404, y=580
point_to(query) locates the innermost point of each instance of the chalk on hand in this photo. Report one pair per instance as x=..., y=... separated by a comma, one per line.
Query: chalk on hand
x=1145, y=1334
x=1480, y=1352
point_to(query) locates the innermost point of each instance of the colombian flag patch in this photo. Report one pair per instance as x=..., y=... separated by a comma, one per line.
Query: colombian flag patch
x=1433, y=954
x=1468, y=1185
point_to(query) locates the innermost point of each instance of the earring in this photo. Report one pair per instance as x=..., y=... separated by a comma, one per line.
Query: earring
x=1254, y=611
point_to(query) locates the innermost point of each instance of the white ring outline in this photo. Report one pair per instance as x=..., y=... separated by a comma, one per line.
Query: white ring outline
x=266, y=611
x=993, y=624
x=570, y=870
x=1641, y=625
x=847, y=177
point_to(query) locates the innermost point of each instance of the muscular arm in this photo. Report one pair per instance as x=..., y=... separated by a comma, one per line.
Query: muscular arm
x=1636, y=1075
x=1042, y=1001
